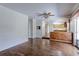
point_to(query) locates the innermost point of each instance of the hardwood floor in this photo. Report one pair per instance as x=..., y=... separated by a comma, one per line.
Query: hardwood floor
x=41, y=47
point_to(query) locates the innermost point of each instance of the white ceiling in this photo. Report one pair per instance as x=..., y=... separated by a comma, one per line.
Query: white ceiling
x=58, y=9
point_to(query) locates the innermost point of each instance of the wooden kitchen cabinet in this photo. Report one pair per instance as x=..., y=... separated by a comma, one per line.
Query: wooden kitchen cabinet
x=61, y=36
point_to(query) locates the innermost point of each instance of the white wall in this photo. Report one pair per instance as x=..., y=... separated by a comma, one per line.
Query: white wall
x=39, y=31
x=13, y=28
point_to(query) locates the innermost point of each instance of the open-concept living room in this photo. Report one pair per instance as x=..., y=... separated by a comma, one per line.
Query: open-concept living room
x=39, y=29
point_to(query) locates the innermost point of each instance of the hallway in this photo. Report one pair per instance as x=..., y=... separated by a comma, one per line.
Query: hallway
x=41, y=47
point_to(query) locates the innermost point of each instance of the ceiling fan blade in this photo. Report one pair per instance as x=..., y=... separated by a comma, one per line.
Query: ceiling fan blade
x=45, y=14
x=51, y=15
x=40, y=14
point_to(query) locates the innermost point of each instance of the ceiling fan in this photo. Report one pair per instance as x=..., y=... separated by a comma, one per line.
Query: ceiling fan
x=45, y=14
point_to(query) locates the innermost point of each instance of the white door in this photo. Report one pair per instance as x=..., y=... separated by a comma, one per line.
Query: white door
x=77, y=43
x=73, y=29
x=30, y=28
